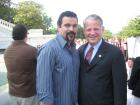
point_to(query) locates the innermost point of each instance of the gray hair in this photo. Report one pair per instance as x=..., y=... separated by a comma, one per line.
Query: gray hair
x=93, y=17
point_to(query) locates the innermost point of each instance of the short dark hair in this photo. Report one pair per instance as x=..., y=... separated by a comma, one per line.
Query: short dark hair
x=19, y=32
x=65, y=14
x=132, y=59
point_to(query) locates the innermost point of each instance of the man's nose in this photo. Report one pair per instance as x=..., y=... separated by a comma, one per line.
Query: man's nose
x=92, y=31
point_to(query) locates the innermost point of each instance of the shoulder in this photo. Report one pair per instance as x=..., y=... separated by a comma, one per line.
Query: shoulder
x=30, y=48
x=111, y=50
x=48, y=47
x=81, y=48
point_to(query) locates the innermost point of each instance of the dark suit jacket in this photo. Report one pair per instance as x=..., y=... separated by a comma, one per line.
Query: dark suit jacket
x=104, y=81
x=134, y=82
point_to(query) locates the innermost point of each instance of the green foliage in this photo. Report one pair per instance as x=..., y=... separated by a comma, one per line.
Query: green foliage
x=6, y=12
x=80, y=33
x=132, y=29
x=5, y=3
x=47, y=24
x=107, y=35
x=29, y=14
x=52, y=30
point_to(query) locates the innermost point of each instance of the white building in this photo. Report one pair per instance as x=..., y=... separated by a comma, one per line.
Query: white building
x=35, y=36
x=5, y=33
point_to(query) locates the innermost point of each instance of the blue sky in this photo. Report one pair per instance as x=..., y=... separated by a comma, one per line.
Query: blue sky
x=115, y=13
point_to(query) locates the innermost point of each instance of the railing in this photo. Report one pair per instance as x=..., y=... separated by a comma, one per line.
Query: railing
x=5, y=33
x=6, y=24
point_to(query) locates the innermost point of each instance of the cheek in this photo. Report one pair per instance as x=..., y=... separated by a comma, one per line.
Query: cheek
x=63, y=31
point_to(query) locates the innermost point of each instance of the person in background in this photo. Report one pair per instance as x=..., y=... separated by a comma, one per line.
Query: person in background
x=103, y=77
x=58, y=64
x=134, y=82
x=129, y=65
x=20, y=61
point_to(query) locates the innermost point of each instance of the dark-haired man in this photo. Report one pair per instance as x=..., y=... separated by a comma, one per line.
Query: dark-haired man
x=58, y=64
x=20, y=60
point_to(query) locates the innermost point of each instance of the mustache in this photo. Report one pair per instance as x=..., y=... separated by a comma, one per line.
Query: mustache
x=71, y=32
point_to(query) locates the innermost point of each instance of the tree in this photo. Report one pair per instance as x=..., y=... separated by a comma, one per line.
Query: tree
x=6, y=12
x=52, y=30
x=29, y=14
x=5, y=3
x=80, y=33
x=132, y=29
x=107, y=35
x=47, y=24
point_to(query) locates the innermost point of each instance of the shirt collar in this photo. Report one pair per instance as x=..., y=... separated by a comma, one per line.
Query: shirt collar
x=61, y=40
x=96, y=46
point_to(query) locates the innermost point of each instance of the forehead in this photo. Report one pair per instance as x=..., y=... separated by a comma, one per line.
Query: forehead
x=70, y=20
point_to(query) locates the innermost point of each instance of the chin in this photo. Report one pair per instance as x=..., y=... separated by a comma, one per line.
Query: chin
x=92, y=42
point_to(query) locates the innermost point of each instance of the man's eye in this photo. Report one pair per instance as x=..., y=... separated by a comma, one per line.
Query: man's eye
x=75, y=25
x=88, y=30
x=67, y=25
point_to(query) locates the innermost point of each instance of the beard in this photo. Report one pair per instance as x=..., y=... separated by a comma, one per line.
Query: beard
x=70, y=36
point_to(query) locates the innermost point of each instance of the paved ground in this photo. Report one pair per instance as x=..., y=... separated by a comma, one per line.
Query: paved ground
x=3, y=72
x=4, y=98
x=129, y=97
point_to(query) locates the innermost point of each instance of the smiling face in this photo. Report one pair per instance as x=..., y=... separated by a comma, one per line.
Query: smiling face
x=93, y=31
x=68, y=28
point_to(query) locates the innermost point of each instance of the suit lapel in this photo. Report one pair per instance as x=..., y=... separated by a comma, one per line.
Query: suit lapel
x=82, y=60
x=82, y=51
x=98, y=57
